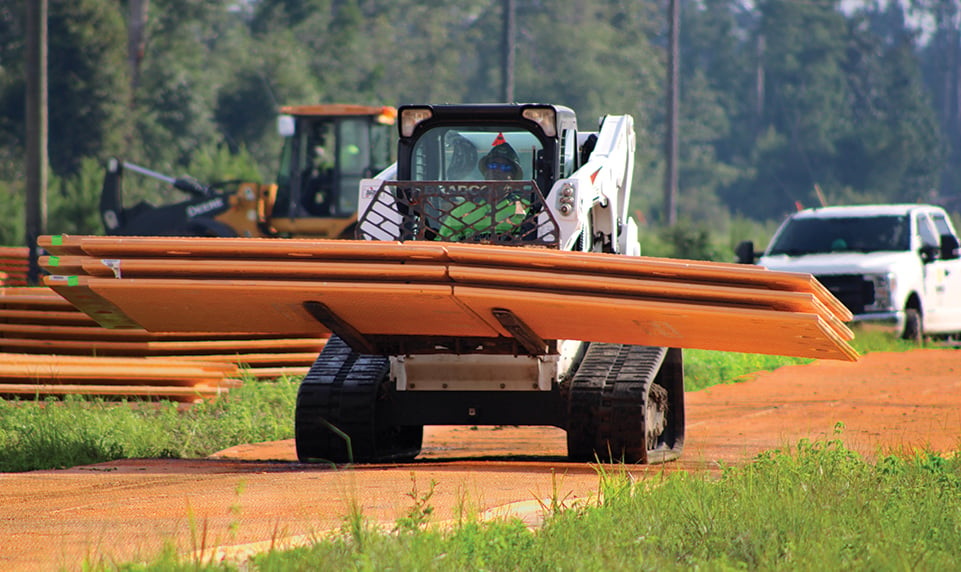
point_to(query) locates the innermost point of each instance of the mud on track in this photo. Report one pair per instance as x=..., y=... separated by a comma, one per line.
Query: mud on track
x=257, y=495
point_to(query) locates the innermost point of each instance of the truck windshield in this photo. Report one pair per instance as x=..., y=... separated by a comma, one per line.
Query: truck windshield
x=843, y=234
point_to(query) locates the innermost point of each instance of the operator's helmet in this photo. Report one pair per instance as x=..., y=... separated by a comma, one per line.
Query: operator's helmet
x=501, y=162
x=463, y=157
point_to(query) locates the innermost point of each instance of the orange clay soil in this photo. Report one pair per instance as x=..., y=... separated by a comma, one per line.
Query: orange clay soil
x=251, y=497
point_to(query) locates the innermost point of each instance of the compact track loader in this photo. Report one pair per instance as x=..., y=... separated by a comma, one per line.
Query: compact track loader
x=327, y=150
x=494, y=279
x=518, y=175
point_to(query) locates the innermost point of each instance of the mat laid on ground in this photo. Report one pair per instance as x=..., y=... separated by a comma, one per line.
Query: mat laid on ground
x=378, y=291
x=44, y=375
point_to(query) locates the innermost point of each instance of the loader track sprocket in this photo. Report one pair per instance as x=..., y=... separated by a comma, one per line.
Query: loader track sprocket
x=346, y=391
x=627, y=404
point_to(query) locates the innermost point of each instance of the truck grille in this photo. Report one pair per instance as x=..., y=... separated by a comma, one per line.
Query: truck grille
x=851, y=289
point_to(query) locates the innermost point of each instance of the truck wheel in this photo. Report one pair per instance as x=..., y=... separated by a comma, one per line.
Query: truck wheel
x=913, y=326
x=342, y=397
x=627, y=404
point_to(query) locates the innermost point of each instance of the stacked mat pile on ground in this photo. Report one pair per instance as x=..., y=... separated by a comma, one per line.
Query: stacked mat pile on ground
x=38, y=376
x=44, y=339
x=385, y=294
x=14, y=263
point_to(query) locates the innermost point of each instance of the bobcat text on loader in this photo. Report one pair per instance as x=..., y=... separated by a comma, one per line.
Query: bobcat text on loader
x=327, y=150
x=502, y=174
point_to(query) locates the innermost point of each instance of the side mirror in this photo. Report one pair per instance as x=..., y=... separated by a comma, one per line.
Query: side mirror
x=929, y=253
x=285, y=126
x=744, y=252
x=950, y=247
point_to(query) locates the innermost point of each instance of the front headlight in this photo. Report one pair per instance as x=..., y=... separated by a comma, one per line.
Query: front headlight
x=884, y=288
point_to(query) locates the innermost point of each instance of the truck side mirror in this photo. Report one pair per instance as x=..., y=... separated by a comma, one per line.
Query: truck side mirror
x=929, y=253
x=950, y=247
x=744, y=252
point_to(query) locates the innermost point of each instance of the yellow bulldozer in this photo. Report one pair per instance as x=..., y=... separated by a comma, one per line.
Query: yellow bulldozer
x=328, y=149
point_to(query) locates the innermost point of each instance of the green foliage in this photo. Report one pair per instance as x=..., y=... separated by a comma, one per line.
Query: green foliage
x=89, y=90
x=685, y=240
x=77, y=431
x=218, y=163
x=775, y=99
x=12, y=224
x=705, y=368
x=73, y=203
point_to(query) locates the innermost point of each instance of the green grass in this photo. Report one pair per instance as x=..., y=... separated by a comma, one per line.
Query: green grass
x=81, y=430
x=817, y=506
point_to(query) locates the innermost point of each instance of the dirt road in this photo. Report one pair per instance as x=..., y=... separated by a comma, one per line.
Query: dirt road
x=254, y=496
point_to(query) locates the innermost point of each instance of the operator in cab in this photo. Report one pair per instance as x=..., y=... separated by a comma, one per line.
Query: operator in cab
x=501, y=164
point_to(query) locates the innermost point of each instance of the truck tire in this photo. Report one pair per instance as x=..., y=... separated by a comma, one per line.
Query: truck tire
x=913, y=326
x=626, y=403
x=342, y=407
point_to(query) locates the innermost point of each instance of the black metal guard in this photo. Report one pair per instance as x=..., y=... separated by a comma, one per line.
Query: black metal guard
x=460, y=211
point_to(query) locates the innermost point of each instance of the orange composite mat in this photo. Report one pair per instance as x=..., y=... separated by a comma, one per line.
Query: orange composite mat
x=444, y=289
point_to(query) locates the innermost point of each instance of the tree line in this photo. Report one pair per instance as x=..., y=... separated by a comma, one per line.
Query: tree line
x=783, y=103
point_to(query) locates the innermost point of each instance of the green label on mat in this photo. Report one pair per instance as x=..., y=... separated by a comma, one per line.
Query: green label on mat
x=72, y=281
x=53, y=261
x=57, y=240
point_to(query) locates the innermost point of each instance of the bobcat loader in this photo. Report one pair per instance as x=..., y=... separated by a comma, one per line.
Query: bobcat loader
x=521, y=175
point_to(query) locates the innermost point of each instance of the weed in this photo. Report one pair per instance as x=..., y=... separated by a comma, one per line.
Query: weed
x=420, y=511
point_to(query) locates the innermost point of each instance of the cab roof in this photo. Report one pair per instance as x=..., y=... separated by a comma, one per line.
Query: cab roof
x=864, y=210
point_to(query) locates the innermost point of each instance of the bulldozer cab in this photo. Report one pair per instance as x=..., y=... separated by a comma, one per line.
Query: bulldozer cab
x=327, y=150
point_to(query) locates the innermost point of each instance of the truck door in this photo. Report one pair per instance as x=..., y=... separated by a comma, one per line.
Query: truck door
x=935, y=273
x=949, y=264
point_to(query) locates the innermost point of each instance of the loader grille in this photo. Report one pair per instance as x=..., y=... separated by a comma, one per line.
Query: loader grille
x=486, y=212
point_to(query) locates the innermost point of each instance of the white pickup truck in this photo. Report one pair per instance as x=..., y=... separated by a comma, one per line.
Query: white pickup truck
x=897, y=265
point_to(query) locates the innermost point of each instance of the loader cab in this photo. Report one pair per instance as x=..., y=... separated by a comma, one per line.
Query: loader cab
x=327, y=150
x=451, y=142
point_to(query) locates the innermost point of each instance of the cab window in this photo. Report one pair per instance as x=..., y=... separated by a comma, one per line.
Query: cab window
x=926, y=232
x=468, y=154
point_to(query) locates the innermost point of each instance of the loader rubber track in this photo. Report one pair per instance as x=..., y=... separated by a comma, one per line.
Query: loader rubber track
x=345, y=390
x=627, y=404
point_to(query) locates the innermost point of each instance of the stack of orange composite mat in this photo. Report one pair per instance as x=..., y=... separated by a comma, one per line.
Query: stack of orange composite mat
x=428, y=289
x=49, y=347
x=13, y=265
